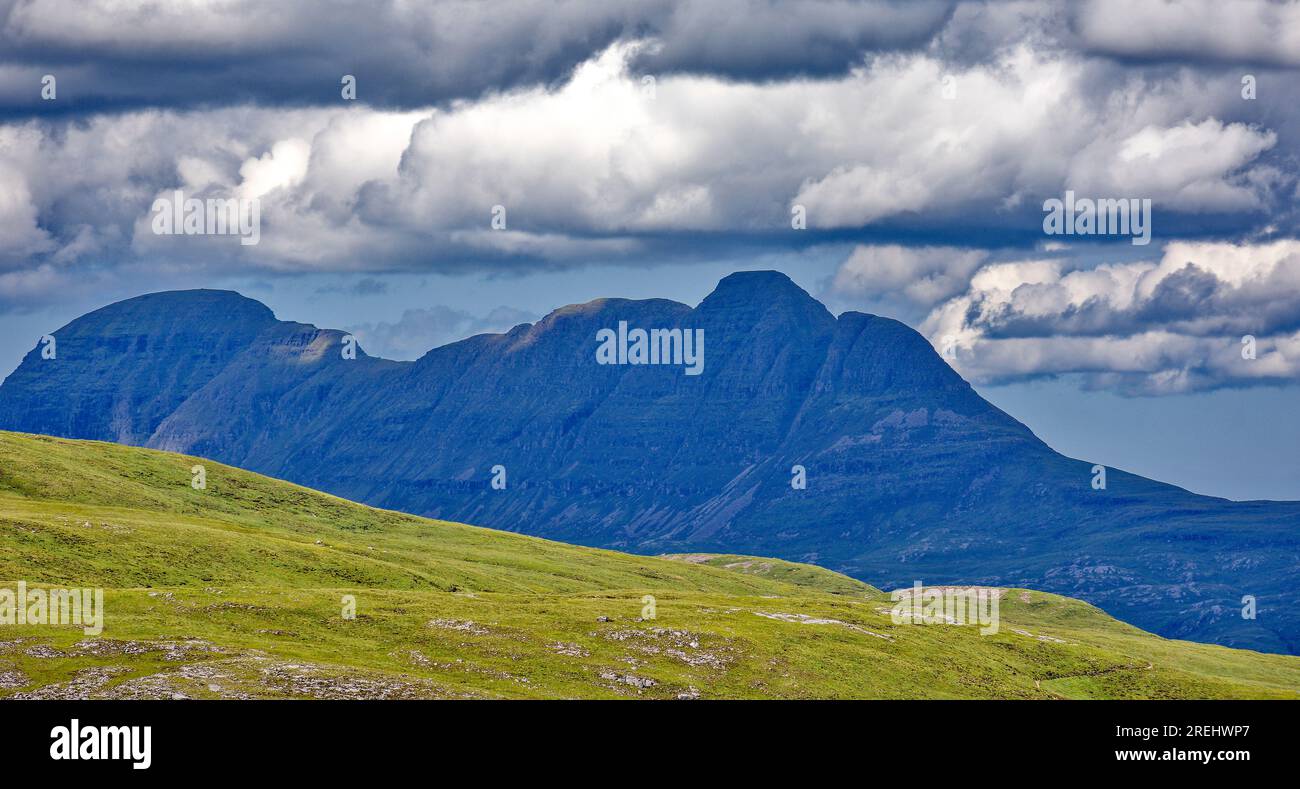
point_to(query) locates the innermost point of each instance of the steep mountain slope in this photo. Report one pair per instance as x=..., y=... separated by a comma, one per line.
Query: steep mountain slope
x=238, y=590
x=910, y=474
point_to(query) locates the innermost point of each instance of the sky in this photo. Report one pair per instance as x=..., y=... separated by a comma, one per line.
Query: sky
x=427, y=171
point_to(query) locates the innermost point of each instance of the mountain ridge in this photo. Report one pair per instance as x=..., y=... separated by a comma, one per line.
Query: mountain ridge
x=910, y=473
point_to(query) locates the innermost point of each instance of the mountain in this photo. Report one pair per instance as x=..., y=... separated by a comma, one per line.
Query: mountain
x=237, y=590
x=910, y=474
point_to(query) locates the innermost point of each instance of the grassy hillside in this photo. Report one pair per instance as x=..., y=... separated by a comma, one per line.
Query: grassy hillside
x=237, y=591
x=806, y=575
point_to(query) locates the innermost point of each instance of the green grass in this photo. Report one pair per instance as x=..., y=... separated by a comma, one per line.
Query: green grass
x=807, y=575
x=236, y=591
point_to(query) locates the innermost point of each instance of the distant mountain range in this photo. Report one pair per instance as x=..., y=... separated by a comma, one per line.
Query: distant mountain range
x=910, y=475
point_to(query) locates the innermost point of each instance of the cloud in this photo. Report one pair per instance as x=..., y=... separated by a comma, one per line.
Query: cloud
x=115, y=55
x=605, y=166
x=366, y=286
x=1026, y=127
x=901, y=281
x=369, y=286
x=420, y=330
x=281, y=167
x=120, y=55
x=763, y=40
x=1243, y=31
x=111, y=54
x=1204, y=166
x=20, y=237
x=1145, y=327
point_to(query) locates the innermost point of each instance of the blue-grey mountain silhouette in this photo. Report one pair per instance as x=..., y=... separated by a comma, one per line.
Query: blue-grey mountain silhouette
x=910, y=473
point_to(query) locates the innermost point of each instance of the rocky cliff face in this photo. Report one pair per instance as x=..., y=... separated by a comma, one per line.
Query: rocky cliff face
x=910, y=474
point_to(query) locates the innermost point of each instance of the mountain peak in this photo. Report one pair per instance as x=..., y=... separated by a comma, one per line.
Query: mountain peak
x=120, y=370
x=158, y=313
x=747, y=295
x=765, y=284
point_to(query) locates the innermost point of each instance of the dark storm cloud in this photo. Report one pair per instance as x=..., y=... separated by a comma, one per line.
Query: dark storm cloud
x=289, y=53
x=747, y=40
x=295, y=52
x=412, y=55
